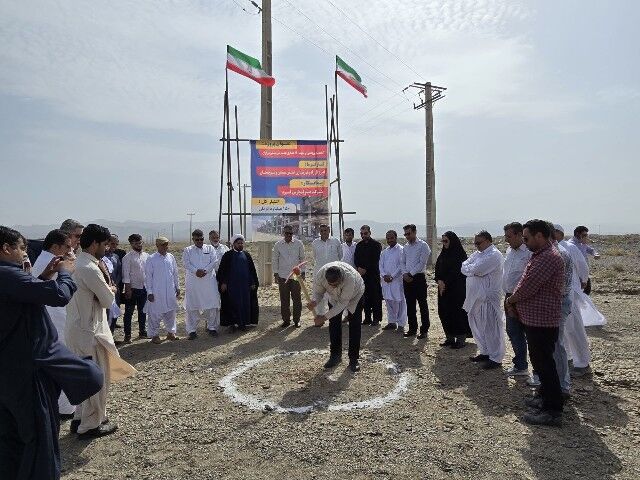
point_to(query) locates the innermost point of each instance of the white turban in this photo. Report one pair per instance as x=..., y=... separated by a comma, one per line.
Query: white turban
x=237, y=237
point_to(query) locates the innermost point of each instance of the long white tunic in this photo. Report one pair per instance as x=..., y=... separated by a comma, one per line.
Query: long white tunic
x=391, y=264
x=201, y=293
x=161, y=281
x=58, y=315
x=220, y=249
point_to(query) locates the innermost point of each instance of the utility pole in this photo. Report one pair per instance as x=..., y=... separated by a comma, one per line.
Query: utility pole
x=190, y=215
x=429, y=94
x=266, y=95
x=243, y=218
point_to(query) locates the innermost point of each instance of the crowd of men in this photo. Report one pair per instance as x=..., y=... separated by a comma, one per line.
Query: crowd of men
x=62, y=306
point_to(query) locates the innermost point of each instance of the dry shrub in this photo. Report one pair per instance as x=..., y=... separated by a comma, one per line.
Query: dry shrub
x=617, y=267
x=616, y=252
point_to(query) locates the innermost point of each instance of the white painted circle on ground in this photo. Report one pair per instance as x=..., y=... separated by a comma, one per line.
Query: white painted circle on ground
x=228, y=383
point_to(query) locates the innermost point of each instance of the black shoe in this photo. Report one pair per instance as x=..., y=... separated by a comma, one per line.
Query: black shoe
x=354, y=366
x=390, y=326
x=192, y=336
x=479, y=358
x=101, y=431
x=448, y=342
x=458, y=344
x=242, y=328
x=490, y=365
x=367, y=321
x=409, y=333
x=73, y=427
x=296, y=324
x=117, y=326
x=333, y=361
x=544, y=418
x=422, y=335
x=375, y=323
x=213, y=333
x=285, y=324
x=66, y=416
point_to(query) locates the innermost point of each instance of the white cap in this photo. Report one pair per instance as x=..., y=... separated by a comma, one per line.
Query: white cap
x=558, y=227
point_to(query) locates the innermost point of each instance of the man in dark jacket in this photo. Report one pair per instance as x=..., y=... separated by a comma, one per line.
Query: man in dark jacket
x=34, y=365
x=367, y=261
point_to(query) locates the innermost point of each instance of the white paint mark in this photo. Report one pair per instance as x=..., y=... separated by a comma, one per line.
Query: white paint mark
x=230, y=387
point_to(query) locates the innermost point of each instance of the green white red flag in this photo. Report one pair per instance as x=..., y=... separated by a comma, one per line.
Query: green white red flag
x=349, y=75
x=248, y=66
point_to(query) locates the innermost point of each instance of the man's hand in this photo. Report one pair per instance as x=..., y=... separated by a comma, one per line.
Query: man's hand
x=387, y=278
x=312, y=304
x=223, y=287
x=51, y=268
x=407, y=278
x=441, y=287
x=26, y=263
x=201, y=273
x=362, y=271
x=127, y=291
x=150, y=297
x=319, y=320
x=113, y=288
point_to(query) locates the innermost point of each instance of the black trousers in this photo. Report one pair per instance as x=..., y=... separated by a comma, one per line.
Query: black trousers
x=290, y=289
x=416, y=291
x=138, y=300
x=587, y=288
x=372, y=300
x=355, y=330
x=542, y=343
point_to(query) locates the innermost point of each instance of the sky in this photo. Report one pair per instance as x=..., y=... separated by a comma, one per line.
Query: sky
x=113, y=109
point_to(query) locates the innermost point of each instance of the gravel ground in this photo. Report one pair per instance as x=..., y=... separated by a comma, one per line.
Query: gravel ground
x=455, y=420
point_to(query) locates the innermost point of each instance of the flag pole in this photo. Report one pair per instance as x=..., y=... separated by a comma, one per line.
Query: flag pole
x=242, y=232
x=337, y=150
x=228, y=148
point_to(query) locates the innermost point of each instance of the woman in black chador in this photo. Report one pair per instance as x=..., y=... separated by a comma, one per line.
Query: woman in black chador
x=452, y=291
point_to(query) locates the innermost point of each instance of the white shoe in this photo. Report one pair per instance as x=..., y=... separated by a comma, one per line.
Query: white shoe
x=533, y=380
x=516, y=372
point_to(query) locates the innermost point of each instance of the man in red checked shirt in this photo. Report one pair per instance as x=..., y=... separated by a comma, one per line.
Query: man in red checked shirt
x=537, y=302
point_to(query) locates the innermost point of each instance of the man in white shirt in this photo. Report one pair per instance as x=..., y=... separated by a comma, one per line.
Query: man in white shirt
x=219, y=248
x=325, y=249
x=581, y=240
x=483, y=270
x=135, y=295
x=391, y=281
x=415, y=255
x=348, y=246
x=575, y=335
x=345, y=287
x=287, y=253
x=201, y=298
x=57, y=243
x=163, y=291
x=516, y=260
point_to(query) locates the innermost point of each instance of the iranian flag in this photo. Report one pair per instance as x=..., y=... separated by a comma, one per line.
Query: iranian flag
x=248, y=66
x=350, y=76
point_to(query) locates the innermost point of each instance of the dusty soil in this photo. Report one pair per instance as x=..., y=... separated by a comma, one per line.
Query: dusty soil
x=455, y=421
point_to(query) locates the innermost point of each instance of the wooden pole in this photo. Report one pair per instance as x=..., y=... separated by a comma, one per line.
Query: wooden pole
x=238, y=162
x=266, y=94
x=337, y=150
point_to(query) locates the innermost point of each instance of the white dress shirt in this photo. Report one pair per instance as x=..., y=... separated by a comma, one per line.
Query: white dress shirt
x=325, y=251
x=515, y=262
x=286, y=255
x=133, y=268
x=220, y=249
x=415, y=256
x=347, y=252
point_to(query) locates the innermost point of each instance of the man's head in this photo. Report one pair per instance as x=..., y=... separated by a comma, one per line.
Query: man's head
x=333, y=275
x=13, y=246
x=365, y=232
x=162, y=245
x=558, y=232
x=135, y=241
x=392, y=238
x=482, y=240
x=410, y=232
x=581, y=233
x=536, y=234
x=114, y=241
x=57, y=242
x=513, y=234
x=74, y=229
x=348, y=235
x=198, y=237
x=287, y=233
x=214, y=237
x=237, y=242
x=324, y=231
x=94, y=240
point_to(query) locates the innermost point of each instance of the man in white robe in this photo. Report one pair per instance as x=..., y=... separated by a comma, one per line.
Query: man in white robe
x=57, y=243
x=87, y=331
x=391, y=281
x=219, y=248
x=483, y=270
x=201, y=299
x=163, y=291
x=575, y=335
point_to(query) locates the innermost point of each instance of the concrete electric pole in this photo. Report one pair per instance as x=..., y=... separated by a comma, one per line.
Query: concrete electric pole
x=429, y=94
x=266, y=94
x=190, y=215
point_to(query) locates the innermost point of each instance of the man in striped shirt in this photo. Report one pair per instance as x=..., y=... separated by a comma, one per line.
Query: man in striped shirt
x=537, y=301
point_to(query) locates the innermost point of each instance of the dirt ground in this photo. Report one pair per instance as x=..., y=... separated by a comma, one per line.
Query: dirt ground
x=454, y=420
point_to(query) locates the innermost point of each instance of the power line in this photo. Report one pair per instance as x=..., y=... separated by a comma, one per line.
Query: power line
x=365, y=124
x=247, y=11
x=374, y=39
